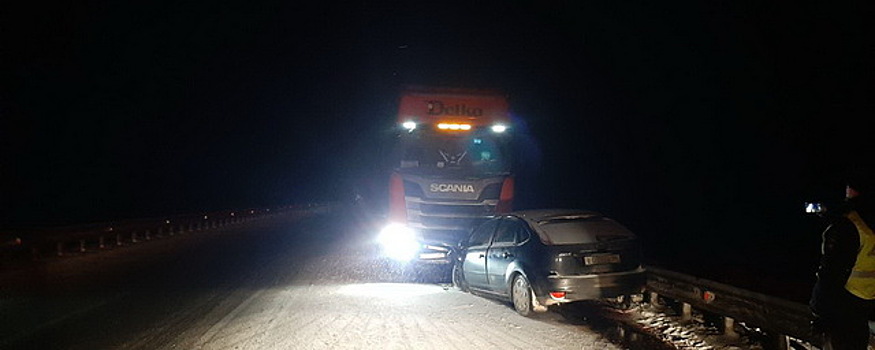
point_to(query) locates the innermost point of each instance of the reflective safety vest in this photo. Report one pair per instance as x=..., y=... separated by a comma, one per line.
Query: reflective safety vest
x=862, y=280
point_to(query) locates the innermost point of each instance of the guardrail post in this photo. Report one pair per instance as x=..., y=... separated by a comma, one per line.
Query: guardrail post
x=654, y=299
x=170, y=231
x=134, y=237
x=778, y=342
x=82, y=245
x=60, y=248
x=118, y=239
x=686, y=312
x=148, y=235
x=101, y=242
x=632, y=337
x=729, y=328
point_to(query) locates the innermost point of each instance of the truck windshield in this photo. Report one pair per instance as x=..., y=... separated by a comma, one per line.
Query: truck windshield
x=431, y=153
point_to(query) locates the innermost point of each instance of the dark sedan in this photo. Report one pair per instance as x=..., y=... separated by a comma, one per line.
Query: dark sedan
x=537, y=258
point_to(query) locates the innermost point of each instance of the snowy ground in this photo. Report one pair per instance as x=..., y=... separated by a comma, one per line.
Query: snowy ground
x=293, y=283
x=280, y=284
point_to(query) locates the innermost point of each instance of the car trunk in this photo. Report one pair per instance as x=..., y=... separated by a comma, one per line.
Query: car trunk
x=609, y=254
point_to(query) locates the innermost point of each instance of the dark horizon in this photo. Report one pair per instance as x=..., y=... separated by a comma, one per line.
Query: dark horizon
x=691, y=120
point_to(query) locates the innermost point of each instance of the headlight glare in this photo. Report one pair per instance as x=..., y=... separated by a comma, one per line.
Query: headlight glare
x=499, y=128
x=398, y=242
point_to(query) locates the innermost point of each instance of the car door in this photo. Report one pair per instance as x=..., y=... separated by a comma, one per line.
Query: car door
x=474, y=265
x=502, y=251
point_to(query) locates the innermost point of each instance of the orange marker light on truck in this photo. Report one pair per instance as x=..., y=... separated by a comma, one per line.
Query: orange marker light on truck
x=454, y=126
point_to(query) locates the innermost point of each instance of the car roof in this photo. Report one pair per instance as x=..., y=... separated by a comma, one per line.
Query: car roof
x=536, y=216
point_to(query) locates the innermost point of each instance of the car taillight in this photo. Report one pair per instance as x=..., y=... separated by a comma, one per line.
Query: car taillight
x=557, y=295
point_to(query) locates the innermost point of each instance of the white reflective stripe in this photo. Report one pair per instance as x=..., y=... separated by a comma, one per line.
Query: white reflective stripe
x=863, y=274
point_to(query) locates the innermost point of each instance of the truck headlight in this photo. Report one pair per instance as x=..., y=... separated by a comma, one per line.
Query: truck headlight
x=398, y=242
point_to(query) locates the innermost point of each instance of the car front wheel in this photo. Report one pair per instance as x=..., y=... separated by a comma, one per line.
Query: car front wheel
x=521, y=294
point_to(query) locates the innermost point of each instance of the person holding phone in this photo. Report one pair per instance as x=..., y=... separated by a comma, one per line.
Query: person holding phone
x=843, y=297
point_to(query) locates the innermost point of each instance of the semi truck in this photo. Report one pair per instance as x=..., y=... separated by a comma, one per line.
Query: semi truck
x=451, y=169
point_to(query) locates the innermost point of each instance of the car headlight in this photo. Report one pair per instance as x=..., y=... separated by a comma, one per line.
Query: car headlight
x=398, y=242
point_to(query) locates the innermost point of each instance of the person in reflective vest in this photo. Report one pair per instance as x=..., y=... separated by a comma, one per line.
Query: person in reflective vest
x=843, y=297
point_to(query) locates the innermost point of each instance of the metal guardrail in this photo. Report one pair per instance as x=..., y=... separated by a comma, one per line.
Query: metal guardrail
x=36, y=244
x=778, y=317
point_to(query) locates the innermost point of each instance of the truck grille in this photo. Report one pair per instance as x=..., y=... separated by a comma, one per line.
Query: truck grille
x=449, y=210
x=447, y=222
x=455, y=210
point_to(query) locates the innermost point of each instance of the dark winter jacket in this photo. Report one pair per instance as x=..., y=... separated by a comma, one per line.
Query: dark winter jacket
x=841, y=243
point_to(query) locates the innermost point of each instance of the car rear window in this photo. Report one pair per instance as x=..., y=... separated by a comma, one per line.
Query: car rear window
x=580, y=231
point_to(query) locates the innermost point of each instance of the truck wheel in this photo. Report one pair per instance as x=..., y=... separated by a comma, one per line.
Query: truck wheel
x=521, y=294
x=459, y=278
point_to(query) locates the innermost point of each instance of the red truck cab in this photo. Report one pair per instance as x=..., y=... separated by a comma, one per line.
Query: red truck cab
x=451, y=169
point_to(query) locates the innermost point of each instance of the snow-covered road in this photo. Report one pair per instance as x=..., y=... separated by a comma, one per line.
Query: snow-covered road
x=285, y=283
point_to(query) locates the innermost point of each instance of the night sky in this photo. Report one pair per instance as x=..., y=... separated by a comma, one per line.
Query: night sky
x=694, y=121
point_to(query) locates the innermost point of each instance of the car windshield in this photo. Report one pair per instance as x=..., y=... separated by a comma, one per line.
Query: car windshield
x=430, y=153
x=581, y=231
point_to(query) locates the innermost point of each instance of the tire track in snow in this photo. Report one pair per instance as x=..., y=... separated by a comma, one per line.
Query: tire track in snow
x=218, y=326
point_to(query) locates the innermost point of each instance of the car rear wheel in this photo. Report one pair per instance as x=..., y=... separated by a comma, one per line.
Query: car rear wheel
x=521, y=295
x=459, y=278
